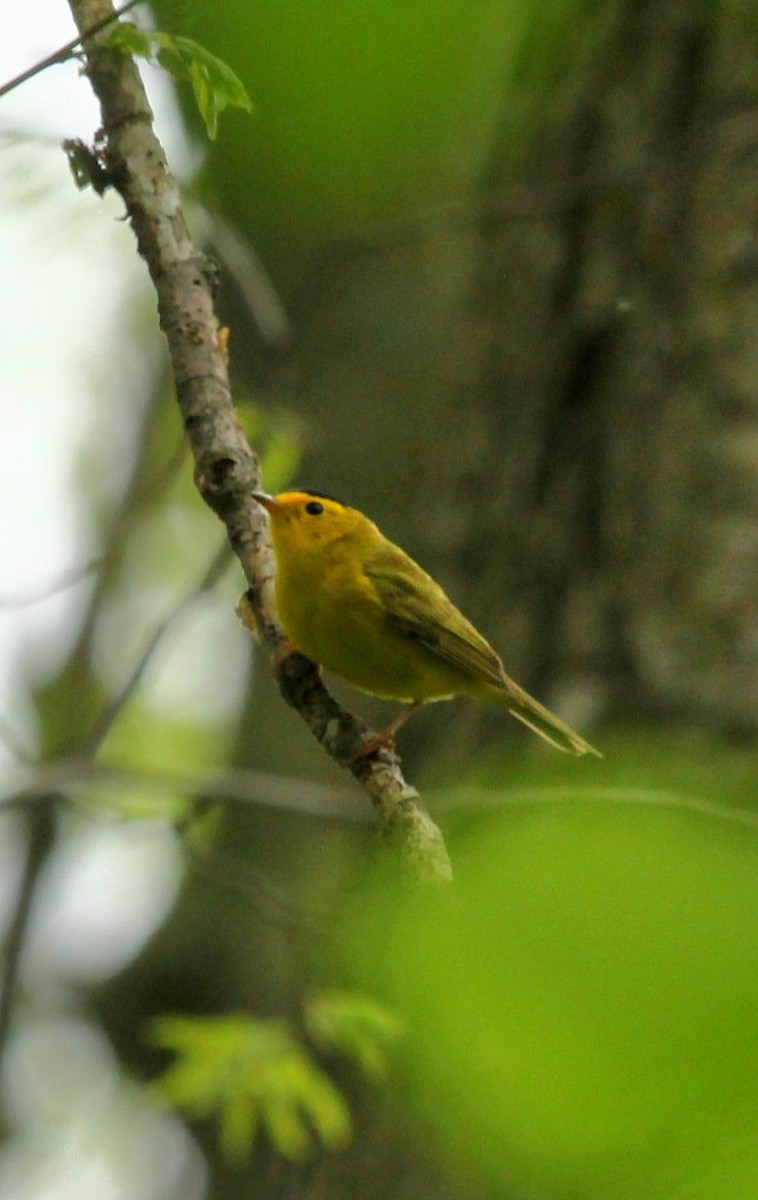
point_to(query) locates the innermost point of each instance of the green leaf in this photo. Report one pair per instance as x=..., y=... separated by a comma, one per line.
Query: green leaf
x=251, y=1074
x=130, y=39
x=238, y=1124
x=214, y=83
x=355, y=1025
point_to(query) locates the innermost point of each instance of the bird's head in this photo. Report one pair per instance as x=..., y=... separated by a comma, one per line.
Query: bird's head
x=306, y=521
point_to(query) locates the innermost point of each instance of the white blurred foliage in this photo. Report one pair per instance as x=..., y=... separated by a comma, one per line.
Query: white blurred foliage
x=169, y=688
x=101, y=898
x=78, y=352
x=79, y=1131
x=76, y=359
x=163, y=560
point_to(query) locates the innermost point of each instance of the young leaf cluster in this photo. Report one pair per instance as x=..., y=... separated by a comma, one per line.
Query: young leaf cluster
x=214, y=83
x=354, y=1025
x=254, y=1076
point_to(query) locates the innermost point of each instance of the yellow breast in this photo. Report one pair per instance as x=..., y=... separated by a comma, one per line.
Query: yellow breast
x=334, y=617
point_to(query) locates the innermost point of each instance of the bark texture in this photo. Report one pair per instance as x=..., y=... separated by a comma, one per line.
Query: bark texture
x=605, y=446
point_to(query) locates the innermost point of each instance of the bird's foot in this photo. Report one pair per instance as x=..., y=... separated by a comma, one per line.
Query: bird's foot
x=282, y=651
x=386, y=739
x=380, y=741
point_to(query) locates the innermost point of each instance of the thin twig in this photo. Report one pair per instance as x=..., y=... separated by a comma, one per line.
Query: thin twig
x=459, y=800
x=241, y=262
x=271, y=901
x=41, y=826
x=67, y=580
x=65, y=779
x=68, y=776
x=141, y=492
x=104, y=723
x=64, y=53
x=321, y=800
x=257, y=789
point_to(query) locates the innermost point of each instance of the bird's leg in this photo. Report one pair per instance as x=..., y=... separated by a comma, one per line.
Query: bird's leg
x=282, y=651
x=387, y=737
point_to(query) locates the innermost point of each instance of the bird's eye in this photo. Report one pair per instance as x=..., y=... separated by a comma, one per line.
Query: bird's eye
x=314, y=508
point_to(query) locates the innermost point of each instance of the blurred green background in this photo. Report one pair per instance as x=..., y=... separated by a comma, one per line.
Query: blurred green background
x=489, y=271
x=581, y=1012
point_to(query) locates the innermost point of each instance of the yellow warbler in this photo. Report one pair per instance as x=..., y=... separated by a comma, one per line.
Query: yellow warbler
x=358, y=605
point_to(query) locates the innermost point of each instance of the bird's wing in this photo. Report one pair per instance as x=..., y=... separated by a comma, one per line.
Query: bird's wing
x=418, y=607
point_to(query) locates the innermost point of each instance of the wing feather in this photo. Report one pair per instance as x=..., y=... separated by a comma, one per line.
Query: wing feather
x=419, y=608
x=417, y=605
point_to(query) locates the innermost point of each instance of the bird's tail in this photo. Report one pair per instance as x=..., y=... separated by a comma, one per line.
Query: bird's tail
x=541, y=721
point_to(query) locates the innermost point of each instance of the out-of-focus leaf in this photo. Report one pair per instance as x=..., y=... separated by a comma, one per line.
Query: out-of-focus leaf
x=213, y=82
x=134, y=801
x=583, y=1011
x=354, y=1024
x=145, y=741
x=130, y=39
x=278, y=439
x=252, y=1075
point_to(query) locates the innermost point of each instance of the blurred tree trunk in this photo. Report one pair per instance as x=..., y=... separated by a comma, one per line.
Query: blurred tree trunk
x=604, y=444
x=559, y=387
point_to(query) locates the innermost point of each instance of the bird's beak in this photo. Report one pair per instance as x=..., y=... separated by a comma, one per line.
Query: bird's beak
x=268, y=502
